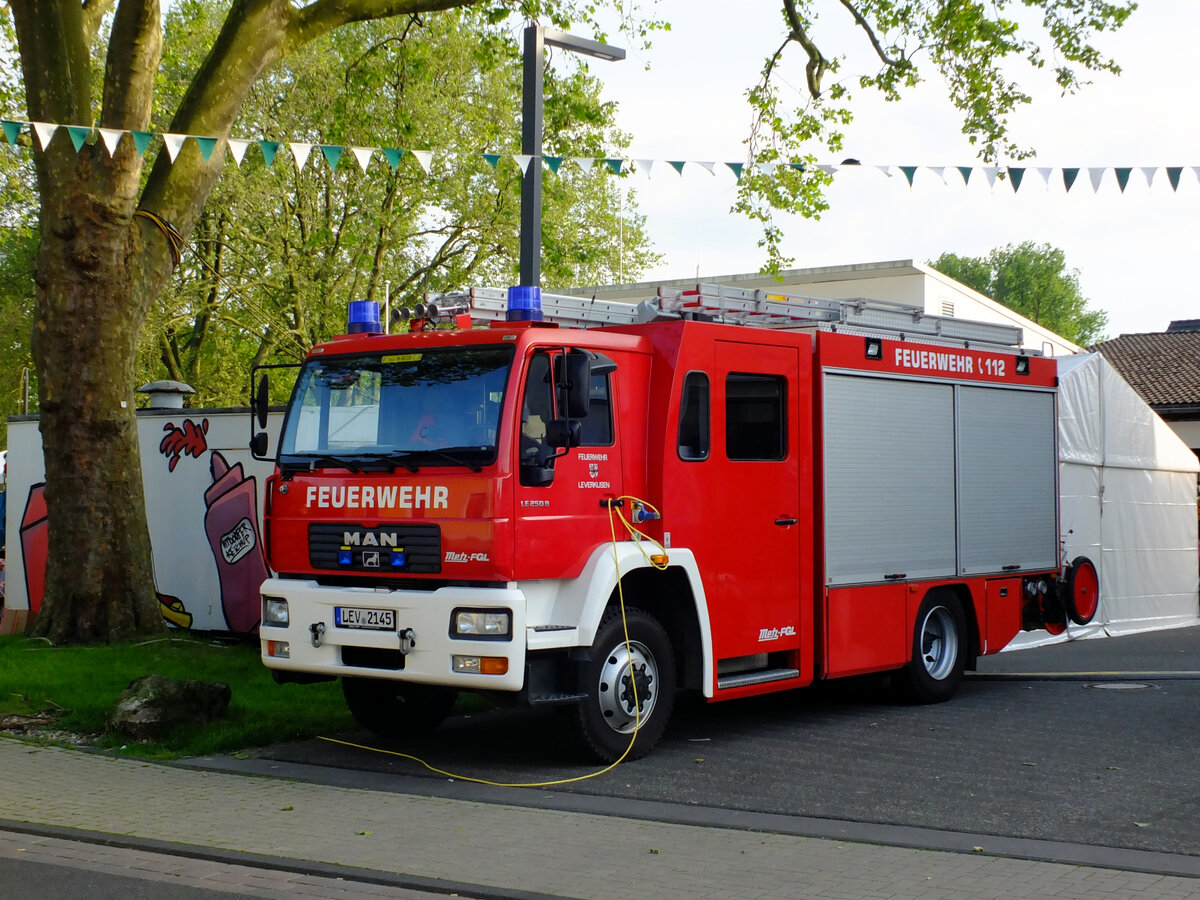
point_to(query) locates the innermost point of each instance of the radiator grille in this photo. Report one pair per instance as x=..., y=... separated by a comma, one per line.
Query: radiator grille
x=370, y=547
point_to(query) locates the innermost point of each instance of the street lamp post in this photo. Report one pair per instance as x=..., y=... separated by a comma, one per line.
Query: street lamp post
x=532, y=114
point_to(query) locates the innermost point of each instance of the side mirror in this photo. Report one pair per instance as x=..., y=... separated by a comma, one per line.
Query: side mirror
x=564, y=433
x=258, y=445
x=573, y=378
x=262, y=400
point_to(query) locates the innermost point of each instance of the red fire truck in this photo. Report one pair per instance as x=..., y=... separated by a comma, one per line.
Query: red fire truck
x=557, y=501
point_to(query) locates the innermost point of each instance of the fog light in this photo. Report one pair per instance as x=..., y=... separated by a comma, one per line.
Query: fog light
x=275, y=611
x=482, y=623
x=466, y=665
x=279, y=649
x=480, y=665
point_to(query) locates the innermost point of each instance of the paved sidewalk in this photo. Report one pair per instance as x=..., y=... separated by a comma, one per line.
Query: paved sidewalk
x=498, y=850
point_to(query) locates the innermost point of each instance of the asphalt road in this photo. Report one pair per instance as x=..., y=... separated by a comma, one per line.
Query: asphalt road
x=1077, y=743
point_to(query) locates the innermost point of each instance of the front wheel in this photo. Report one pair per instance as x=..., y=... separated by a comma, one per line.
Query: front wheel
x=630, y=687
x=935, y=669
x=395, y=709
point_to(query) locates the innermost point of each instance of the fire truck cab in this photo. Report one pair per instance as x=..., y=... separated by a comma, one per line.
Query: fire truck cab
x=597, y=518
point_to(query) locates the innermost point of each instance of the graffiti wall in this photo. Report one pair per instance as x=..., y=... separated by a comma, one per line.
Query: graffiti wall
x=204, y=495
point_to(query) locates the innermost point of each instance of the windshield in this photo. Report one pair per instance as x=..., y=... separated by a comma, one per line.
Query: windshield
x=432, y=407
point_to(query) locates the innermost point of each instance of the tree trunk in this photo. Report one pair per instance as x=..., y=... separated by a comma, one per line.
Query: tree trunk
x=91, y=301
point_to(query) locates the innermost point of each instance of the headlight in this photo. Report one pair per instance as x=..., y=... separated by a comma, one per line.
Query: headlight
x=275, y=611
x=479, y=623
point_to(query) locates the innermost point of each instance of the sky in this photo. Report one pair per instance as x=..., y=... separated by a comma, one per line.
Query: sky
x=1134, y=251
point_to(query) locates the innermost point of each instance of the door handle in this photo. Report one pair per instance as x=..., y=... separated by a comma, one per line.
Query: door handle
x=786, y=522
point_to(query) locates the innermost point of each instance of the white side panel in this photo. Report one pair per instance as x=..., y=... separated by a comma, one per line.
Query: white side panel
x=889, y=479
x=1006, y=478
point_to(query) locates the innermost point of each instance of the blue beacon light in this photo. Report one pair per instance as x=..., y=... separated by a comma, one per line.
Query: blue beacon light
x=524, y=303
x=364, y=317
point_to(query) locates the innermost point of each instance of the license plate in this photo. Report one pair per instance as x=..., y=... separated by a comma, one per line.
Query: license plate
x=360, y=617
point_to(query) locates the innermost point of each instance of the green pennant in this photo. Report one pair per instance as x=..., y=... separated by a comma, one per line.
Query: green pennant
x=79, y=135
x=1069, y=176
x=393, y=156
x=11, y=130
x=207, y=145
x=141, y=140
x=553, y=162
x=965, y=172
x=1123, y=176
x=493, y=159
x=1016, y=174
x=737, y=169
x=677, y=164
x=799, y=167
x=1173, y=173
x=332, y=154
x=269, y=149
x=615, y=165
x=909, y=172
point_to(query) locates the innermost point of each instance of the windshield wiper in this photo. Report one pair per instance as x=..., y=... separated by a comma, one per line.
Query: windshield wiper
x=404, y=458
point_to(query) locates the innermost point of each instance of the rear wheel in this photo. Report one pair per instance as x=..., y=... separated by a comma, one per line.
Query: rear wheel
x=394, y=709
x=630, y=687
x=1083, y=591
x=935, y=669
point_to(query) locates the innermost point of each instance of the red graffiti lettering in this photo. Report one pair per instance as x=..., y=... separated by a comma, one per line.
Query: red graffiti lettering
x=187, y=440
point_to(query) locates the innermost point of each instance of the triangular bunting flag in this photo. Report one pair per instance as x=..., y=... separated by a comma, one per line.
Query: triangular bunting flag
x=332, y=154
x=585, y=163
x=1149, y=172
x=363, y=155
x=552, y=163
x=614, y=165
x=768, y=168
x=269, y=149
x=799, y=167
x=646, y=164
x=939, y=171
x=493, y=159
x=141, y=140
x=676, y=164
x=79, y=135
x=237, y=149
x=965, y=172
x=300, y=154
x=1045, y=172
x=1016, y=175
x=424, y=159
x=991, y=172
x=394, y=155
x=1123, y=176
x=523, y=162
x=11, y=130
x=1096, y=174
x=736, y=168
x=886, y=170
x=1196, y=169
x=829, y=170
x=44, y=131
x=174, y=144
x=909, y=173
x=207, y=146
x=111, y=138
x=1173, y=173
x=1069, y=176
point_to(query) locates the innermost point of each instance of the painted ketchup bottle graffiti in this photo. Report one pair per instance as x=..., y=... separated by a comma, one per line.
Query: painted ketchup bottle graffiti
x=231, y=523
x=35, y=546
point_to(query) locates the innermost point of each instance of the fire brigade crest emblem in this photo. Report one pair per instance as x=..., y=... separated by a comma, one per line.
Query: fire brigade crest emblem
x=593, y=470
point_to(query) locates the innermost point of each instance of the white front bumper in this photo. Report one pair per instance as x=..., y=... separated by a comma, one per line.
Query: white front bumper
x=427, y=614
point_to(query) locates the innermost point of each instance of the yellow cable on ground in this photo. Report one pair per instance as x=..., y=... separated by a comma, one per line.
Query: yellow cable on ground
x=638, y=537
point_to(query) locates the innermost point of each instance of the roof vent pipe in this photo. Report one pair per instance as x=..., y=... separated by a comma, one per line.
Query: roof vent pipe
x=166, y=394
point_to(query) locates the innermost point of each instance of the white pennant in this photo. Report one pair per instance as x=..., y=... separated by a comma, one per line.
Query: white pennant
x=646, y=164
x=1196, y=171
x=584, y=163
x=523, y=162
x=768, y=168
x=300, y=154
x=1096, y=175
x=939, y=171
x=363, y=155
x=828, y=170
x=424, y=158
x=45, y=131
x=111, y=137
x=990, y=172
x=1149, y=172
x=711, y=166
x=1045, y=172
x=886, y=170
x=174, y=143
x=237, y=149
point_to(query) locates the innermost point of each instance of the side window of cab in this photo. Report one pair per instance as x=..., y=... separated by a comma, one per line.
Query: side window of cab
x=546, y=431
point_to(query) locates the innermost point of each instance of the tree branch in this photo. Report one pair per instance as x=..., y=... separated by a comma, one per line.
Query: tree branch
x=93, y=15
x=871, y=36
x=818, y=65
x=323, y=16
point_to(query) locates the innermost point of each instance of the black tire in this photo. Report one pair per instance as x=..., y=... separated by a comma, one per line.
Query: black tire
x=939, y=649
x=395, y=709
x=605, y=722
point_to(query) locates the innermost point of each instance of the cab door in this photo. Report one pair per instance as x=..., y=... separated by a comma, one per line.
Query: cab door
x=559, y=515
x=756, y=594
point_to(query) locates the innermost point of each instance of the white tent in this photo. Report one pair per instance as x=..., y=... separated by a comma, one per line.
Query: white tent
x=1127, y=494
